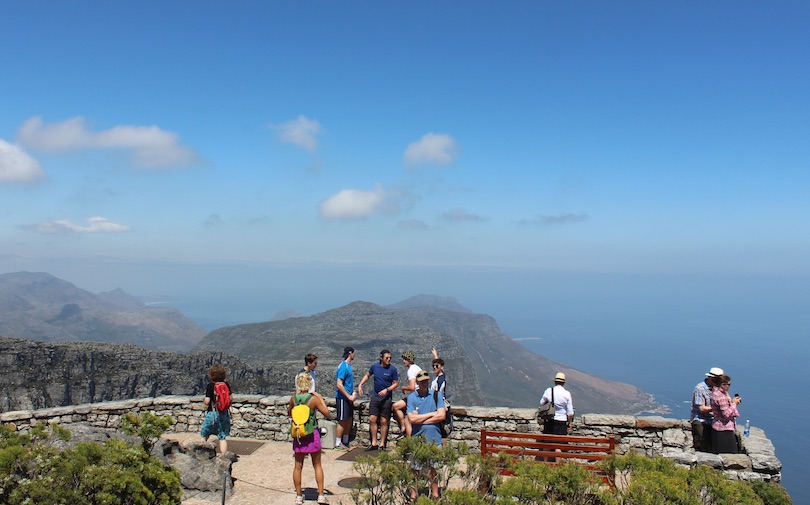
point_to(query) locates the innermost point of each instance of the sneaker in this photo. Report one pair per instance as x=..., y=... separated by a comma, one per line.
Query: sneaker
x=299, y=500
x=341, y=447
x=353, y=444
x=372, y=448
x=322, y=500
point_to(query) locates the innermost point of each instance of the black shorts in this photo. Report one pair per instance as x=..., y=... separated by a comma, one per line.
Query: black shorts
x=554, y=427
x=344, y=408
x=380, y=406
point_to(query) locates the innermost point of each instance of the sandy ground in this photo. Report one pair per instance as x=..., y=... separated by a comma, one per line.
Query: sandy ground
x=264, y=477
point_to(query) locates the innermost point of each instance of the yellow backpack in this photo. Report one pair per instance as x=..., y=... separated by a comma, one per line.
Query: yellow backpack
x=303, y=422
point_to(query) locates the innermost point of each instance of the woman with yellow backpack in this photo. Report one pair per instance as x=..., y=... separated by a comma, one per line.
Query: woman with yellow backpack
x=306, y=437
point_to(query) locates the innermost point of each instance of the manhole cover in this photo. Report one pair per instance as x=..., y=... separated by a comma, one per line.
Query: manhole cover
x=243, y=447
x=349, y=482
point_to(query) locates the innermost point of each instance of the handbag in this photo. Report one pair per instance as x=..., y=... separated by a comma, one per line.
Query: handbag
x=547, y=410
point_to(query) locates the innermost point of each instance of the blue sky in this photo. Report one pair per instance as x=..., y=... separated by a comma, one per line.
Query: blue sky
x=634, y=137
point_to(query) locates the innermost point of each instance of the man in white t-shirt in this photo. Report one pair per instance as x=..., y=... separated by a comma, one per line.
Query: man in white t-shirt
x=563, y=407
x=408, y=359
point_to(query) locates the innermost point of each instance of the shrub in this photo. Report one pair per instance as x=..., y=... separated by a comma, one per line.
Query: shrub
x=147, y=426
x=34, y=471
x=639, y=481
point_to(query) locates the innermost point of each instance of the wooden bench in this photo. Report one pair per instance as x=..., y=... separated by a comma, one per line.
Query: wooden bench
x=539, y=447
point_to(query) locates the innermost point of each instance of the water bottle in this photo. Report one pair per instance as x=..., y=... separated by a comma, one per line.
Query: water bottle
x=747, y=430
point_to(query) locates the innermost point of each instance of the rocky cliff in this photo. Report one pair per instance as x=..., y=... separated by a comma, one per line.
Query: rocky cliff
x=35, y=375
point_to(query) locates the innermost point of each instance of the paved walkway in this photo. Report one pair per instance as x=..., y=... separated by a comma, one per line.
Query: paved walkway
x=264, y=477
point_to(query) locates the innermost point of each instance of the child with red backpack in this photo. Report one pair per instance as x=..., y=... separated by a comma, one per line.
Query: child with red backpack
x=217, y=405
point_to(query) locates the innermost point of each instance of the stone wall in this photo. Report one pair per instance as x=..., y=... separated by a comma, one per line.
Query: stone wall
x=265, y=418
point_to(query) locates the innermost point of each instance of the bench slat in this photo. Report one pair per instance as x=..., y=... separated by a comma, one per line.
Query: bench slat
x=528, y=446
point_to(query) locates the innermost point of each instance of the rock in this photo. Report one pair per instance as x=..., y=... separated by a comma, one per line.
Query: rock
x=200, y=467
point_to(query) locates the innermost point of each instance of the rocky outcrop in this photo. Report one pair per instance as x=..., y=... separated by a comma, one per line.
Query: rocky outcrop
x=37, y=375
x=203, y=473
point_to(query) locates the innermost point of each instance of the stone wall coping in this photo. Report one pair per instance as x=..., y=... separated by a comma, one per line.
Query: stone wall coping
x=264, y=418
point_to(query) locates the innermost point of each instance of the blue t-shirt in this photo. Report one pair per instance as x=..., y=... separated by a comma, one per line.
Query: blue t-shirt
x=423, y=405
x=345, y=373
x=384, y=377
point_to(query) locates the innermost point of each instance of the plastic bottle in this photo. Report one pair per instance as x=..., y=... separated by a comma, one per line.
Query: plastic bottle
x=747, y=430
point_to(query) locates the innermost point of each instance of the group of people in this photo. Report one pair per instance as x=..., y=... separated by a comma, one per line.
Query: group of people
x=714, y=414
x=419, y=412
x=422, y=409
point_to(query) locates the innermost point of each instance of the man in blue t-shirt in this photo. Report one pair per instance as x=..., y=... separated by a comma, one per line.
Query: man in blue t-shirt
x=425, y=412
x=386, y=380
x=344, y=399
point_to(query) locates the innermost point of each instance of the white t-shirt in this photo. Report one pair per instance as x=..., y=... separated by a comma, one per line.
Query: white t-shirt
x=563, y=406
x=412, y=371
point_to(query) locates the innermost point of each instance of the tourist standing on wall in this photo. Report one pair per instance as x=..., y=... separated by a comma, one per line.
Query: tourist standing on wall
x=439, y=386
x=345, y=396
x=309, y=444
x=386, y=380
x=702, y=411
x=563, y=408
x=408, y=359
x=310, y=364
x=216, y=422
x=425, y=412
x=439, y=383
x=724, y=417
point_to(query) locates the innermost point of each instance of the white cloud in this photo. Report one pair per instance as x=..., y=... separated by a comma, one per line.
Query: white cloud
x=542, y=219
x=151, y=147
x=96, y=224
x=16, y=165
x=461, y=215
x=412, y=224
x=301, y=131
x=432, y=149
x=353, y=203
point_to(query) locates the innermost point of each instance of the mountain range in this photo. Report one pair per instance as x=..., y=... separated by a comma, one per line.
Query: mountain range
x=39, y=306
x=484, y=366
x=68, y=348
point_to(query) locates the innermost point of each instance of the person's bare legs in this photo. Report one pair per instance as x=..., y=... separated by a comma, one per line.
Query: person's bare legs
x=343, y=426
x=399, y=410
x=299, y=466
x=316, y=465
x=384, y=431
x=434, y=484
x=223, y=446
x=372, y=428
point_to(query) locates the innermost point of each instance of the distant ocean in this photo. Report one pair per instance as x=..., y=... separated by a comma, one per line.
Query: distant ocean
x=661, y=338
x=766, y=365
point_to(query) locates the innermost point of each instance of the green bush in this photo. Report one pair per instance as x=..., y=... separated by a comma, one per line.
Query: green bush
x=147, y=426
x=33, y=470
x=771, y=493
x=639, y=481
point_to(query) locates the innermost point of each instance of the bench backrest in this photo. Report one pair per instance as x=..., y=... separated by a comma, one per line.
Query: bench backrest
x=585, y=450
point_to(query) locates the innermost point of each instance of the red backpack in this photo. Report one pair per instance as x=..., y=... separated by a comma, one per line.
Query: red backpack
x=222, y=396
